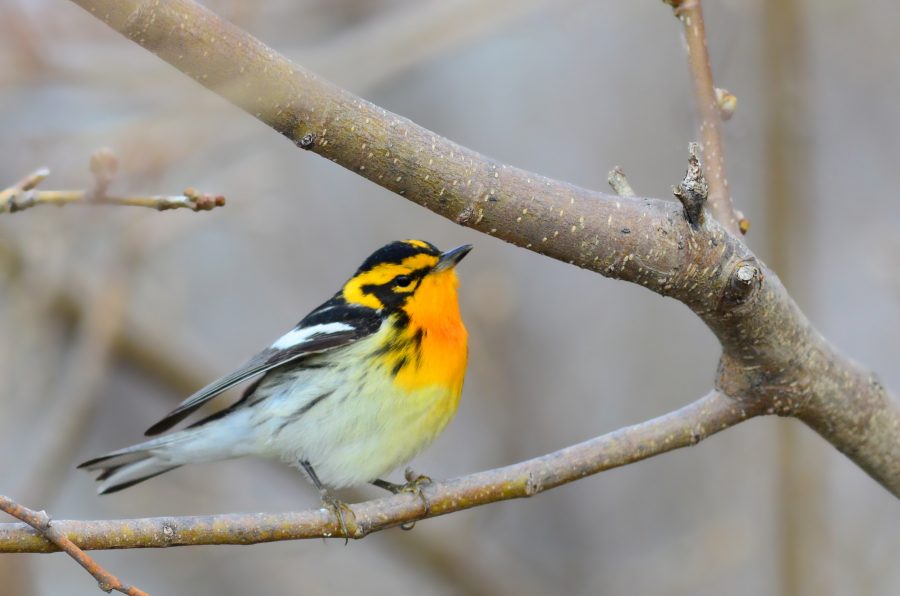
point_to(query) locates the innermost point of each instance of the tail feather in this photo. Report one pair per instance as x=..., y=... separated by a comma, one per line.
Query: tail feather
x=127, y=467
x=129, y=477
x=215, y=438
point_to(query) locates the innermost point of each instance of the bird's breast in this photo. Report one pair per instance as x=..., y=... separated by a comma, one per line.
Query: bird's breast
x=431, y=346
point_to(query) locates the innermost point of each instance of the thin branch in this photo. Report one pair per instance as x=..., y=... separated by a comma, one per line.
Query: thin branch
x=190, y=199
x=24, y=185
x=24, y=195
x=682, y=428
x=52, y=534
x=690, y=13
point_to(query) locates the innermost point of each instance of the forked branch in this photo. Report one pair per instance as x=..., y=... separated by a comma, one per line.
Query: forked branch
x=51, y=534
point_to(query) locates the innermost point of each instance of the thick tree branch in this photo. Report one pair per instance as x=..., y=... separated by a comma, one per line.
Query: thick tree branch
x=682, y=428
x=51, y=534
x=772, y=357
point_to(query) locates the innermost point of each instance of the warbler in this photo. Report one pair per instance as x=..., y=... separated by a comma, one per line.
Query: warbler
x=357, y=388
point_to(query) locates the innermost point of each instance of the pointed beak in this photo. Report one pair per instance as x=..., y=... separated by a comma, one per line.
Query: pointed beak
x=452, y=257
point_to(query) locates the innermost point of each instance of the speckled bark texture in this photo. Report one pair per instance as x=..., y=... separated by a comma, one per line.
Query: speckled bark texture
x=773, y=361
x=683, y=428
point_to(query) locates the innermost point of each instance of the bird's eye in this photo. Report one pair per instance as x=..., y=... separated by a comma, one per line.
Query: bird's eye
x=402, y=281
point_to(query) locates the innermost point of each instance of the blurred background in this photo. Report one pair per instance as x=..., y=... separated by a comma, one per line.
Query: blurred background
x=110, y=316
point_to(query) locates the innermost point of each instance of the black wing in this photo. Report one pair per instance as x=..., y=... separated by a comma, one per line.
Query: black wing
x=332, y=325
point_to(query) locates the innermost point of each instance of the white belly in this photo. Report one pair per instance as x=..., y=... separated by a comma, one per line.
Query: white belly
x=352, y=426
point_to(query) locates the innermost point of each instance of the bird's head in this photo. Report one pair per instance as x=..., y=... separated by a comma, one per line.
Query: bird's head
x=403, y=272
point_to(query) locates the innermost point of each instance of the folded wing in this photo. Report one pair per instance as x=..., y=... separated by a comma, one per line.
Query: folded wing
x=311, y=336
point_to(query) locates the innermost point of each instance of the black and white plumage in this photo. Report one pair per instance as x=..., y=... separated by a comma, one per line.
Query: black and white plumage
x=325, y=398
x=332, y=325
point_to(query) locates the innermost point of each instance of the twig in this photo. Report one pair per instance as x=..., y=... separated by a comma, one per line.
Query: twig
x=619, y=183
x=690, y=13
x=682, y=428
x=25, y=184
x=190, y=199
x=40, y=521
x=693, y=190
x=23, y=195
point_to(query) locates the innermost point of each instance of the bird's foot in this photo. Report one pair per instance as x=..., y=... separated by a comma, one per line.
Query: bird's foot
x=337, y=507
x=415, y=483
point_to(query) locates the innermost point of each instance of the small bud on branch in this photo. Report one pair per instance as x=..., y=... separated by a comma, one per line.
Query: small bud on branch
x=693, y=189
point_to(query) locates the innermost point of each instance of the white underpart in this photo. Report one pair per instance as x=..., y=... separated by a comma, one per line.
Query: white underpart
x=363, y=426
x=350, y=437
x=302, y=334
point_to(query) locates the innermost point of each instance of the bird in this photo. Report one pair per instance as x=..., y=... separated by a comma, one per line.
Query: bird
x=356, y=389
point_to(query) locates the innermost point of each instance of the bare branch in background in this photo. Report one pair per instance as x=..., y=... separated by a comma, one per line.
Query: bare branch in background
x=682, y=428
x=709, y=112
x=40, y=521
x=24, y=195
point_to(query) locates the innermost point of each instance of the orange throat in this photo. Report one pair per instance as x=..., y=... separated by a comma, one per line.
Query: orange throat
x=435, y=349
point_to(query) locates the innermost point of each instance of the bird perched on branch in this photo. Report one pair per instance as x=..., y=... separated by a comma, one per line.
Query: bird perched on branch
x=360, y=386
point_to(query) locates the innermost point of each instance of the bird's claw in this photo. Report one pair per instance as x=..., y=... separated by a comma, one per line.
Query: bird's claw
x=415, y=483
x=337, y=507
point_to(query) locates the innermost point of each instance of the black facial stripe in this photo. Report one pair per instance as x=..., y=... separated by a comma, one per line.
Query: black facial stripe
x=393, y=298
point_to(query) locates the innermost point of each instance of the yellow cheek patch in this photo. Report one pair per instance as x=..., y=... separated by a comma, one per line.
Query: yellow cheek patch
x=353, y=294
x=381, y=274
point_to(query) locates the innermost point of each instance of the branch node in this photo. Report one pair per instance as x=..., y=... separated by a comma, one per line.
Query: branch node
x=743, y=222
x=40, y=521
x=19, y=196
x=307, y=140
x=532, y=485
x=680, y=6
x=727, y=103
x=693, y=189
x=465, y=216
x=103, y=165
x=619, y=182
x=745, y=279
